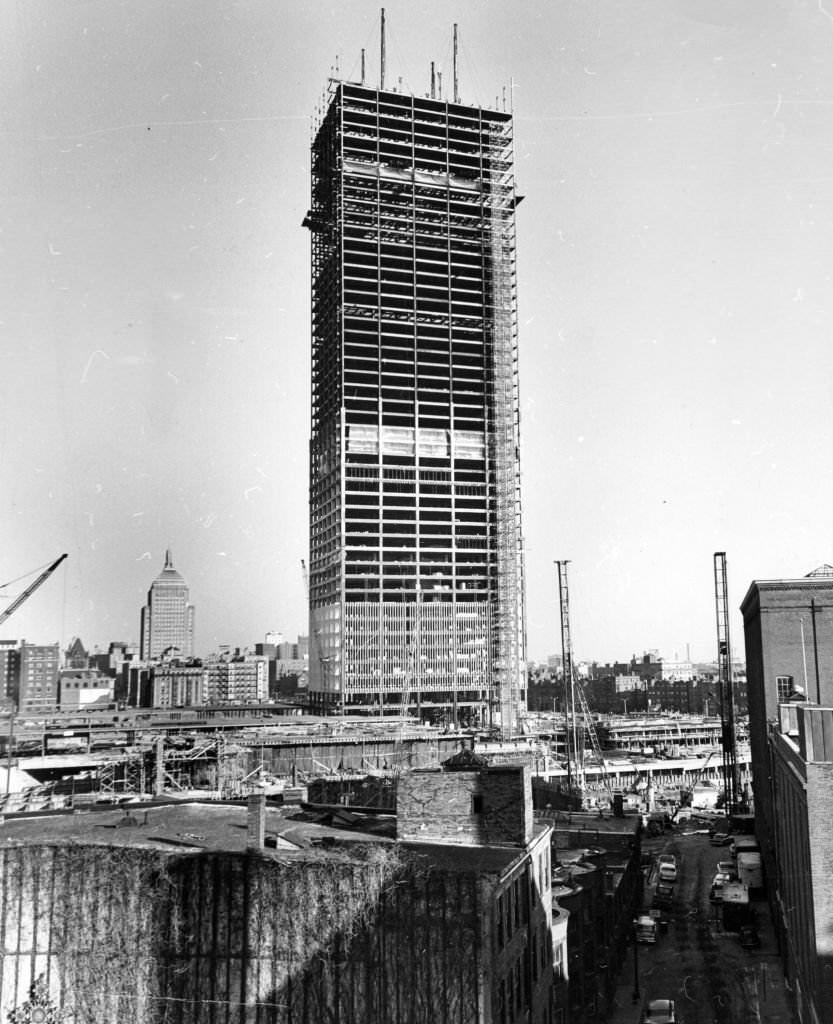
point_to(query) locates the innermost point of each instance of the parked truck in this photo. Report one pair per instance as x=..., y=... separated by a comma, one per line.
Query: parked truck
x=750, y=870
x=744, y=844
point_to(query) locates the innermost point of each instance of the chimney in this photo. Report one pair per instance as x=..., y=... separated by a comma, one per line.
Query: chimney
x=256, y=835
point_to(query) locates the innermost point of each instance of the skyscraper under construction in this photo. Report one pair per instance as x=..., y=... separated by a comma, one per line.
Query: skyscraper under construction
x=416, y=575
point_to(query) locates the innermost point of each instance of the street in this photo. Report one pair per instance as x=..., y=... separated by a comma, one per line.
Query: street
x=704, y=969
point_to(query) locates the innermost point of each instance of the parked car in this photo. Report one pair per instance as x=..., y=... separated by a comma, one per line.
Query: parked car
x=749, y=937
x=716, y=892
x=727, y=867
x=668, y=872
x=660, y=1011
x=645, y=929
x=663, y=896
x=720, y=839
x=667, y=858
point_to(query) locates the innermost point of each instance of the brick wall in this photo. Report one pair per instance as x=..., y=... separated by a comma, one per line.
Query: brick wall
x=490, y=806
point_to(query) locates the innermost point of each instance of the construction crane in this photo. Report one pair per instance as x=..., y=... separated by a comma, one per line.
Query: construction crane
x=724, y=676
x=27, y=593
x=574, y=694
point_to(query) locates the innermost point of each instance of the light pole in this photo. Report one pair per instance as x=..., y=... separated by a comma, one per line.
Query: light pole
x=635, y=997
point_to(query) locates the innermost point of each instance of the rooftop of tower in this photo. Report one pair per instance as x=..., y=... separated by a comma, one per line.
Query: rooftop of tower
x=440, y=94
x=169, y=574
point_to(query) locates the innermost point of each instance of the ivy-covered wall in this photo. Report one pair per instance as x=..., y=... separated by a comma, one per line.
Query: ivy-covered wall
x=140, y=935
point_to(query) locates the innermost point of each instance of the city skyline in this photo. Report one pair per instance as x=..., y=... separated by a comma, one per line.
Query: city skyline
x=673, y=295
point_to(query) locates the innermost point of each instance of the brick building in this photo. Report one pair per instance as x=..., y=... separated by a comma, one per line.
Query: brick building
x=80, y=688
x=801, y=888
x=237, y=679
x=788, y=629
x=597, y=883
x=261, y=916
x=38, y=677
x=483, y=816
x=9, y=672
x=177, y=686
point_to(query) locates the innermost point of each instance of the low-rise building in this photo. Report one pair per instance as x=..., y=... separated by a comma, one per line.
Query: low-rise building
x=219, y=913
x=237, y=679
x=80, y=688
x=597, y=882
x=177, y=686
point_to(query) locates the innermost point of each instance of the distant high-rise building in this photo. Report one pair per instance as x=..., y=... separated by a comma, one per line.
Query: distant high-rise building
x=38, y=677
x=167, y=626
x=416, y=577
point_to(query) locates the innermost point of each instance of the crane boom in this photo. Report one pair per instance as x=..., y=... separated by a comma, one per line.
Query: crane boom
x=724, y=675
x=27, y=593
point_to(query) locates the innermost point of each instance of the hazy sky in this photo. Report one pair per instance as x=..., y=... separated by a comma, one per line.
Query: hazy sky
x=675, y=251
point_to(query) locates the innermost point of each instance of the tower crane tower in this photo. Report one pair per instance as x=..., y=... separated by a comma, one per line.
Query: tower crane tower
x=724, y=676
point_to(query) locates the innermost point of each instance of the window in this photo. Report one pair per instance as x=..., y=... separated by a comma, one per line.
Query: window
x=784, y=686
x=477, y=803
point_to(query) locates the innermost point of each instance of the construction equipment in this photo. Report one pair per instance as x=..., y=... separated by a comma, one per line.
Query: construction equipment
x=27, y=593
x=724, y=675
x=503, y=428
x=687, y=795
x=574, y=693
x=567, y=673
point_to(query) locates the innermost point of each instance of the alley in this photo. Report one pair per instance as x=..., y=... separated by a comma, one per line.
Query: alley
x=704, y=969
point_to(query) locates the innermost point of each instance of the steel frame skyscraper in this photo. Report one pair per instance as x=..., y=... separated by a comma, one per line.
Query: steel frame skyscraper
x=416, y=572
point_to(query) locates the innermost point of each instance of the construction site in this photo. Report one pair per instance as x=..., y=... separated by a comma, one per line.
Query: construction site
x=415, y=580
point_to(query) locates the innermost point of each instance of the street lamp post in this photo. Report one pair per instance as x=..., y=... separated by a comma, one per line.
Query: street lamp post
x=635, y=996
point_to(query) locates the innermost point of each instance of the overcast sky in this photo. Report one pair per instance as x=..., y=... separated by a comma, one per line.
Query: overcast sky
x=675, y=250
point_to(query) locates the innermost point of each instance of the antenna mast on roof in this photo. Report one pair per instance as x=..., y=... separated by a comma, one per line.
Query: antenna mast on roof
x=456, y=81
x=433, y=82
x=382, y=72
x=362, y=65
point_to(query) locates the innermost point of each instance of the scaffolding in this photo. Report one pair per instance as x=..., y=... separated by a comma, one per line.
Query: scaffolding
x=504, y=424
x=122, y=776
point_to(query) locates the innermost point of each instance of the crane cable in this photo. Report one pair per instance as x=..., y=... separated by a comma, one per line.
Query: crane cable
x=17, y=579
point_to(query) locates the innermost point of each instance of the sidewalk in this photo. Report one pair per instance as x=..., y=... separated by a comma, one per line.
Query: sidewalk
x=758, y=979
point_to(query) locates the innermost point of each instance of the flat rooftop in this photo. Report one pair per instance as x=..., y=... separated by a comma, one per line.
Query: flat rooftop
x=222, y=827
x=171, y=826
